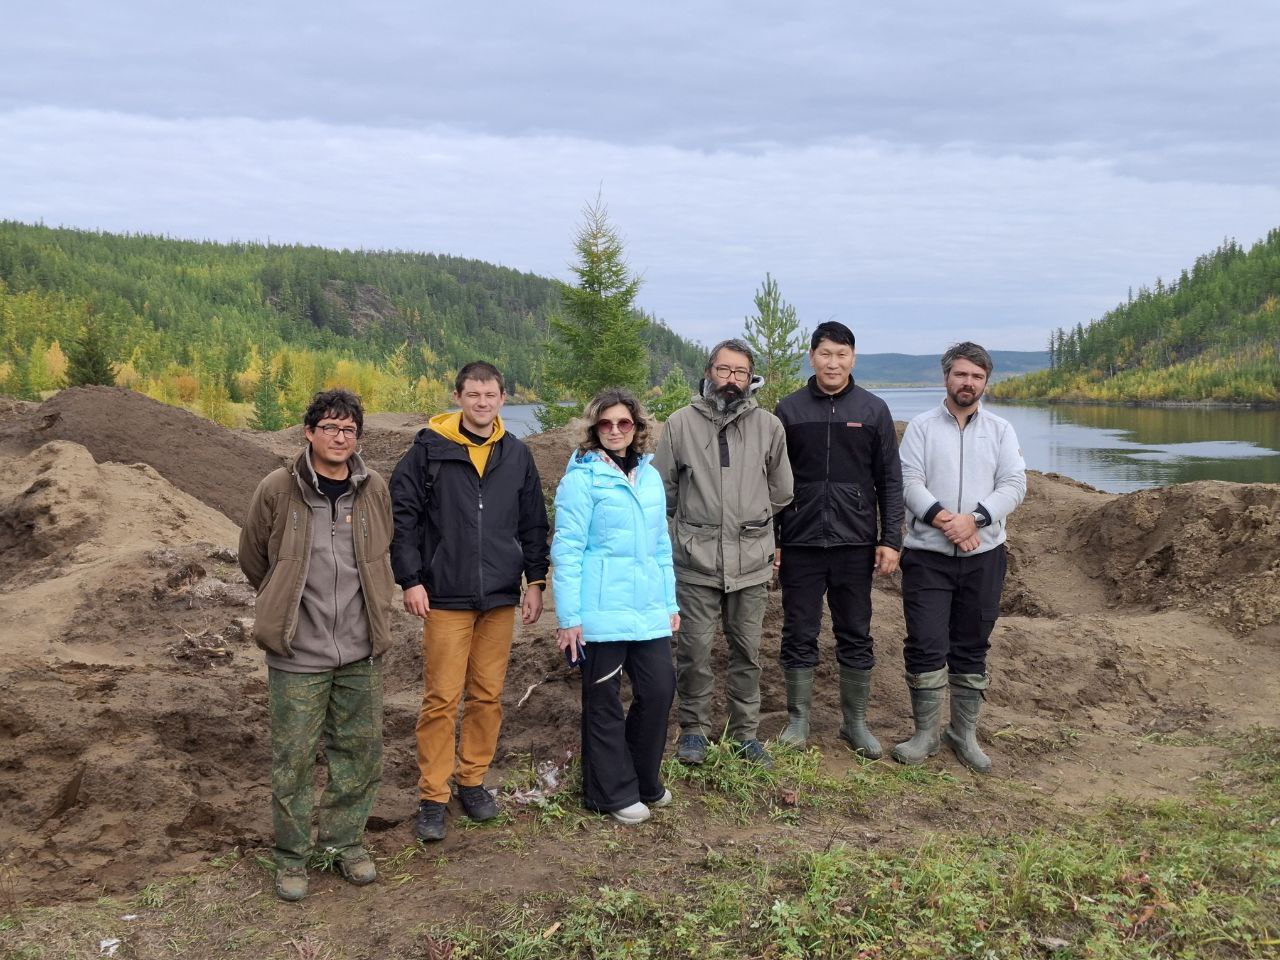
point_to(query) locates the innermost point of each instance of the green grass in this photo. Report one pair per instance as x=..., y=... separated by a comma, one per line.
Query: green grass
x=735, y=790
x=1195, y=878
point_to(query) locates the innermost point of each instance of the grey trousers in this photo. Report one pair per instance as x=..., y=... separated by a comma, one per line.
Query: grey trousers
x=741, y=612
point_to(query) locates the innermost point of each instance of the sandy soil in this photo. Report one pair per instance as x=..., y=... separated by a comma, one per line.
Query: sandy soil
x=133, y=737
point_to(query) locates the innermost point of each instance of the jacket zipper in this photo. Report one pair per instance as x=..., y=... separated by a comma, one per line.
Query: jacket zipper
x=826, y=489
x=333, y=556
x=480, y=536
x=362, y=551
x=960, y=485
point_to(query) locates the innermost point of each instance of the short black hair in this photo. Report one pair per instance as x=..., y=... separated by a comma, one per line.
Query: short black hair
x=338, y=404
x=483, y=372
x=967, y=351
x=832, y=330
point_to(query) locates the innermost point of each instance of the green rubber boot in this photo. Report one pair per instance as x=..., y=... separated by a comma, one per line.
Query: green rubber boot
x=927, y=691
x=855, y=689
x=799, y=696
x=967, y=694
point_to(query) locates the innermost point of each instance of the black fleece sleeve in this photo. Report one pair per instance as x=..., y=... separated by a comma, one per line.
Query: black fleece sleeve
x=534, y=527
x=888, y=477
x=409, y=516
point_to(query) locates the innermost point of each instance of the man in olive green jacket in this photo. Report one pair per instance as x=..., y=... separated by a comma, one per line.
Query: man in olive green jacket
x=724, y=462
x=315, y=547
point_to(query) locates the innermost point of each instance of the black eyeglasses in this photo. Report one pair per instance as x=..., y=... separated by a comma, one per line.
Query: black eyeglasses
x=332, y=430
x=725, y=372
x=604, y=425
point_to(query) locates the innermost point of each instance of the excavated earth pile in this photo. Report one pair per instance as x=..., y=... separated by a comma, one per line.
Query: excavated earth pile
x=133, y=733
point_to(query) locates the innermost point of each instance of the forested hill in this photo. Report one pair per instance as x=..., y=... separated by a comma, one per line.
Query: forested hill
x=1213, y=334
x=915, y=370
x=201, y=323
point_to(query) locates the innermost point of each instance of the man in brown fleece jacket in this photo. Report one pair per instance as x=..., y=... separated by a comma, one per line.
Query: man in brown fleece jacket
x=315, y=546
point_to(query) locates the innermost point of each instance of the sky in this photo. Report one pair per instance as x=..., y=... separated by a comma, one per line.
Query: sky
x=924, y=172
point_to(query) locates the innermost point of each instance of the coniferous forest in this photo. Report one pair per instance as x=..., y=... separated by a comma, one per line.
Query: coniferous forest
x=1211, y=335
x=216, y=326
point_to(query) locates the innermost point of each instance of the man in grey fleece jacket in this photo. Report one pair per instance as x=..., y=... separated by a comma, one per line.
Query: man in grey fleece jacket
x=962, y=475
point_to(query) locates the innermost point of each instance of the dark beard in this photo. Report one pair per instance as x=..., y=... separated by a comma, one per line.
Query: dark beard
x=960, y=402
x=725, y=396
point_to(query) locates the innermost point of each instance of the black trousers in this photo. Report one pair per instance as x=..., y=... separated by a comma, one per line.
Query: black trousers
x=951, y=605
x=843, y=576
x=622, y=755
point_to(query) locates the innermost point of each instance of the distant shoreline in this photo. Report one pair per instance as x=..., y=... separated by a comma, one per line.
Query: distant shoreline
x=1189, y=404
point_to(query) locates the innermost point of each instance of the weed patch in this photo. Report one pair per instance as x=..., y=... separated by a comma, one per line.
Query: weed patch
x=1187, y=879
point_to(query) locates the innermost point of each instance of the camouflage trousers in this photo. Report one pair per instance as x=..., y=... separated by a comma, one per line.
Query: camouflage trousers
x=345, y=707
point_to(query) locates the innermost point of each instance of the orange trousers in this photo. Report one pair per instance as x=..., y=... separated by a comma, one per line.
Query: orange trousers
x=463, y=651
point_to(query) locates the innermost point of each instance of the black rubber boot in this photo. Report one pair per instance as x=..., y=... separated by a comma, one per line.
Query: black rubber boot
x=855, y=689
x=967, y=694
x=927, y=692
x=799, y=696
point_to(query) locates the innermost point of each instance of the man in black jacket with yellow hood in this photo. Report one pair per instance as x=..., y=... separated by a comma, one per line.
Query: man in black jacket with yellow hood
x=470, y=521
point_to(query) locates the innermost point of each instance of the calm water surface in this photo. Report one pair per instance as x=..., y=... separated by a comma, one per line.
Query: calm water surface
x=1117, y=449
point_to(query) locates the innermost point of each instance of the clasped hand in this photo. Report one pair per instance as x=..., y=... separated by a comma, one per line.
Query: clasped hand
x=960, y=528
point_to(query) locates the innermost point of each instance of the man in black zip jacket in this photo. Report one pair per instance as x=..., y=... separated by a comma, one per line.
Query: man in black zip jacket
x=844, y=457
x=470, y=520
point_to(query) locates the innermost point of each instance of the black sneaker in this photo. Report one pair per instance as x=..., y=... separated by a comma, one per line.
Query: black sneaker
x=753, y=751
x=691, y=749
x=478, y=803
x=430, y=825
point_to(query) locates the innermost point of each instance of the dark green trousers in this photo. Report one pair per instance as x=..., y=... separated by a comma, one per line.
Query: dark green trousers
x=345, y=707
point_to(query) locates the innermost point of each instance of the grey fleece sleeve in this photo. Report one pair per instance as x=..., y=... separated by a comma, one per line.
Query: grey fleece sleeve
x=1011, y=478
x=917, y=496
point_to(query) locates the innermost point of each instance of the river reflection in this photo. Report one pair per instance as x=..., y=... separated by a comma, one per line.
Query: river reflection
x=1130, y=448
x=1117, y=449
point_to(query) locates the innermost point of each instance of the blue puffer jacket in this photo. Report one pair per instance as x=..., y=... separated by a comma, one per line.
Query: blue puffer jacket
x=611, y=554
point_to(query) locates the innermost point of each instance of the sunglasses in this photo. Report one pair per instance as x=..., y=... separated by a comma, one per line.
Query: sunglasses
x=604, y=425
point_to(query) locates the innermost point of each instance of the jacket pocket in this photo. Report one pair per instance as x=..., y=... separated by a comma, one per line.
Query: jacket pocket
x=450, y=575
x=697, y=546
x=802, y=517
x=275, y=604
x=755, y=546
x=851, y=516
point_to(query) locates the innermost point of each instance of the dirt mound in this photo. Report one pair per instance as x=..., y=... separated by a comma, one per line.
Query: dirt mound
x=133, y=729
x=213, y=464
x=1211, y=546
x=551, y=453
x=12, y=408
x=60, y=510
x=107, y=619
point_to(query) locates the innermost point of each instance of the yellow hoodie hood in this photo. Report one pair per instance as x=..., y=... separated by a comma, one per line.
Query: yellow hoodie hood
x=449, y=426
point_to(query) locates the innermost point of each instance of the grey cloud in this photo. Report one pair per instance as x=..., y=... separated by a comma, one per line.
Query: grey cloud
x=912, y=246
x=1174, y=89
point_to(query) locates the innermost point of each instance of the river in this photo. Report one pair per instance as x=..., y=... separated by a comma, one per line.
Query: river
x=1113, y=448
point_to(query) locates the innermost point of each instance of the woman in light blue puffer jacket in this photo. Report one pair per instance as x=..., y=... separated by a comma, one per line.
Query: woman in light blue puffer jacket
x=615, y=595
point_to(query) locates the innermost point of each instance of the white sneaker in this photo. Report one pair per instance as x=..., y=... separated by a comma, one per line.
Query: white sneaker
x=662, y=801
x=636, y=813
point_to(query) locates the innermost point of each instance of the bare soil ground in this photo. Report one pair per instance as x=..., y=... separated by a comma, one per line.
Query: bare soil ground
x=1138, y=632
